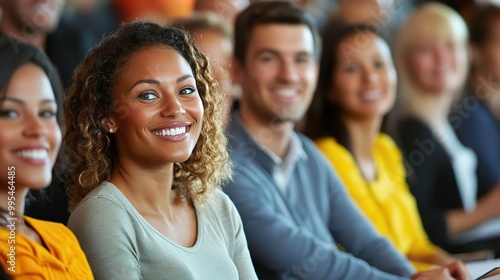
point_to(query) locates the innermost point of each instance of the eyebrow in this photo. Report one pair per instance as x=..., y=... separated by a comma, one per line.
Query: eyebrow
x=19, y=101
x=156, y=82
x=277, y=53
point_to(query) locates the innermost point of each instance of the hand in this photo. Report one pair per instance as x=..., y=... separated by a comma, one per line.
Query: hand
x=458, y=270
x=455, y=270
x=441, y=273
x=491, y=202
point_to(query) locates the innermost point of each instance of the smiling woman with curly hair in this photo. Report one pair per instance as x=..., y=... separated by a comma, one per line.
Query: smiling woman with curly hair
x=147, y=153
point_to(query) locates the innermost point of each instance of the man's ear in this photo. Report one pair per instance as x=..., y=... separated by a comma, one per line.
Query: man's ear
x=237, y=71
x=109, y=125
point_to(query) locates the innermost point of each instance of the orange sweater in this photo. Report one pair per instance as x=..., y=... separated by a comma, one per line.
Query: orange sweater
x=62, y=259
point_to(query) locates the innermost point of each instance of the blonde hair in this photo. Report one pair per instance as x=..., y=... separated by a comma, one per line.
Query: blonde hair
x=429, y=21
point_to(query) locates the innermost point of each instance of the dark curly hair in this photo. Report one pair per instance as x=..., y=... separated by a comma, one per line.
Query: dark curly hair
x=91, y=150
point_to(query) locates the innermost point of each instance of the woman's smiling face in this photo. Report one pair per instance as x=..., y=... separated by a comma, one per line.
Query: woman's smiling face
x=159, y=111
x=30, y=137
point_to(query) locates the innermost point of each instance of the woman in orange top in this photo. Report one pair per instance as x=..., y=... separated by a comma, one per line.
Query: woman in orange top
x=30, y=139
x=356, y=89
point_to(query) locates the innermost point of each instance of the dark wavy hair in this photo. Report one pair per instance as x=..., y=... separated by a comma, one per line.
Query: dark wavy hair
x=323, y=117
x=92, y=150
x=13, y=55
x=481, y=23
x=270, y=12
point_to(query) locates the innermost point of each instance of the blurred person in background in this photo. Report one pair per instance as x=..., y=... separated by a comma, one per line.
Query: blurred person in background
x=214, y=37
x=476, y=118
x=294, y=208
x=65, y=43
x=30, y=141
x=225, y=8
x=167, y=10
x=386, y=15
x=356, y=89
x=229, y=9
x=39, y=23
x=432, y=62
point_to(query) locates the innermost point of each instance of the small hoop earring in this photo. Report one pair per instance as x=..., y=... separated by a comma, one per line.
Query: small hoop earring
x=111, y=130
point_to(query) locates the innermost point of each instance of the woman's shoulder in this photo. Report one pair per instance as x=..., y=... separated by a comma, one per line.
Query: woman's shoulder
x=326, y=143
x=220, y=206
x=218, y=201
x=337, y=154
x=385, y=143
x=55, y=234
x=105, y=202
x=105, y=193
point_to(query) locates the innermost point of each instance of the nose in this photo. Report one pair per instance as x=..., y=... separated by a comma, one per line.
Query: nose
x=371, y=76
x=34, y=126
x=173, y=107
x=442, y=53
x=288, y=71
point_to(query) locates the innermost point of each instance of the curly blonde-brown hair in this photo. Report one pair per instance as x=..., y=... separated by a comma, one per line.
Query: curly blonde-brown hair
x=91, y=151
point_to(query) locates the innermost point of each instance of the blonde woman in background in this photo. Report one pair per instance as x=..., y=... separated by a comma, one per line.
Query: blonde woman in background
x=214, y=37
x=432, y=61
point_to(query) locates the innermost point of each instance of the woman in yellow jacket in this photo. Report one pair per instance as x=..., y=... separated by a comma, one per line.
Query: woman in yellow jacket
x=30, y=138
x=356, y=89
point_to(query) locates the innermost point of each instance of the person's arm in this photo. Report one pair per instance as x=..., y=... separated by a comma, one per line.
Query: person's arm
x=106, y=235
x=356, y=234
x=277, y=242
x=487, y=208
x=440, y=224
x=478, y=131
x=422, y=252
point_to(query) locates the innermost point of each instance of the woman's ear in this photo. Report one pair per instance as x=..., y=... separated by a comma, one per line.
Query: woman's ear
x=109, y=125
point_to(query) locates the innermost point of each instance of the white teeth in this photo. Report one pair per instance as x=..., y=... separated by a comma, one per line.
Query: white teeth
x=33, y=154
x=371, y=95
x=170, y=131
x=286, y=92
